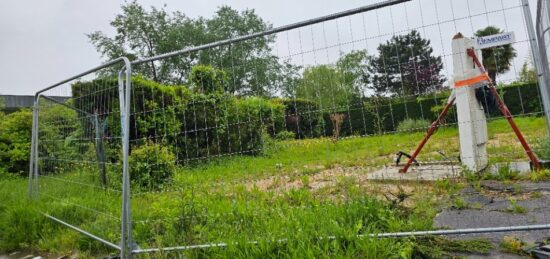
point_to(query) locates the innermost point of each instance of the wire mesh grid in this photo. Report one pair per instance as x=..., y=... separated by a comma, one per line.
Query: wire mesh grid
x=290, y=137
x=77, y=150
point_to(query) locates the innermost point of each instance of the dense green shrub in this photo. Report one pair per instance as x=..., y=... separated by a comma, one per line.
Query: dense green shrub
x=206, y=79
x=413, y=125
x=60, y=137
x=521, y=98
x=542, y=148
x=376, y=115
x=152, y=166
x=194, y=125
x=15, y=141
x=285, y=135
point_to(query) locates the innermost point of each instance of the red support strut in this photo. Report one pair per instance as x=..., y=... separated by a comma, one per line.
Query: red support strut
x=430, y=132
x=504, y=109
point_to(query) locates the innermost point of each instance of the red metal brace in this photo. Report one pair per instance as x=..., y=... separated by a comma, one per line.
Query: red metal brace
x=504, y=109
x=430, y=132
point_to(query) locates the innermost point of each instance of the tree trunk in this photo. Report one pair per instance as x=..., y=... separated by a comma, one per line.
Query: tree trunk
x=493, y=76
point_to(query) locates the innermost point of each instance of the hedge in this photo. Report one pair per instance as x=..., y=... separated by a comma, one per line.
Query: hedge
x=364, y=116
x=198, y=125
x=303, y=117
x=195, y=125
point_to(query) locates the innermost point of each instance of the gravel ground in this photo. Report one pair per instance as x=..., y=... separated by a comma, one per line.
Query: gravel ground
x=492, y=207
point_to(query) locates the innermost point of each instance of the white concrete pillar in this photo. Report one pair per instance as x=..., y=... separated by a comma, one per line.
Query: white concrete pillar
x=472, y=124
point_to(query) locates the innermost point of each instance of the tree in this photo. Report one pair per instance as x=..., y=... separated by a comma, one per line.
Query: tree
x=496, y=60
x=286, y=79
x=405, y=65
x=527, y=74
x=324, y=85
x=335, y=87
x=353, y=68
x=141, y=33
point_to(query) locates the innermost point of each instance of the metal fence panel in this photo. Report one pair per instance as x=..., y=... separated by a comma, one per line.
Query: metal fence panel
x=77, y=153
x=205, y=148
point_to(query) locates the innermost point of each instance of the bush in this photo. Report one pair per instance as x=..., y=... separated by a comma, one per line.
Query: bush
x=413, y=125
x=207, y=79
x=60, y=137
x=285, y=135
x=196, y=126
x=542, y=148
x=15, y=141
x=152, y=165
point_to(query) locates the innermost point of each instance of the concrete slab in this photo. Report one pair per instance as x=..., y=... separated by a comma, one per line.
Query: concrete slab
x=522, y=167
x=431, y=172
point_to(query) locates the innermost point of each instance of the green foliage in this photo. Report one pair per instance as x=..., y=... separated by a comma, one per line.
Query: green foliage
x=513, y=245
x=15, y=141
x=58, y=134
x=202, y=210
x=460, y=203
x=406, y=65
x=2, y=106
x=413, y=125
x=504, y=173
x=353, y=70
x=527, y=74
x=207, y=79
x=194, y=124
x=377, y=115
x=153, y=166
x=440, y=247
x=539, y=175
x=323, y=84
x=285, y=135
x=303, y=117
x=144, y=33
x=542, y=148
x=496, y=60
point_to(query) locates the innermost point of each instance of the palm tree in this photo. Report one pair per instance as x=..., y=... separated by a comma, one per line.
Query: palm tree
x=497, y=60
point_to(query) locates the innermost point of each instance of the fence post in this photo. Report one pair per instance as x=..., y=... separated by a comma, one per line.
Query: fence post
x=34, y=132
x=124, y=88
x=535, y=51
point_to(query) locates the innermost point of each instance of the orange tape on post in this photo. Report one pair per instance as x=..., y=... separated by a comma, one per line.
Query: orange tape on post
x=472, y=81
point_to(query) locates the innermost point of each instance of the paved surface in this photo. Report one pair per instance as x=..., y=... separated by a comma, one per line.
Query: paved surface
x=491, y=208
x=416, y=173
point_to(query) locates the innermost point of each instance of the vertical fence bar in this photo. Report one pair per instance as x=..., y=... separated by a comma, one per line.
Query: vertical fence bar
x=123, y=215
x=33, y=144
x=124, y=89
x=542, y=11
x=35, y=148
x=535, y=51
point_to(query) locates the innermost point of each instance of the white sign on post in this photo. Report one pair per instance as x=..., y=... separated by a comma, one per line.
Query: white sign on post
x=495, y=40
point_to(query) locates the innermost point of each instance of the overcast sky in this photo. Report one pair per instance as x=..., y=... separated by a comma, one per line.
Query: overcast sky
x=43, y=42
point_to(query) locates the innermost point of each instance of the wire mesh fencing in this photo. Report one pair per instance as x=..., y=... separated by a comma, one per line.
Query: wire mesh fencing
x=77, y=153
x=286, y=137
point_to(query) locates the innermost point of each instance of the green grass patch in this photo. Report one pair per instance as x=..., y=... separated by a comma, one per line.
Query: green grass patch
x=219, y=201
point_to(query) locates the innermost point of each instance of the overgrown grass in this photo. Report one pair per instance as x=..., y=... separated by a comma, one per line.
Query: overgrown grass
x=223, y=201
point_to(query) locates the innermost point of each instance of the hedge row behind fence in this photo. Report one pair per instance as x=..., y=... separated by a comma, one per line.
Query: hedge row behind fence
x=198, y=125
x=195, y=125
x=380, y=115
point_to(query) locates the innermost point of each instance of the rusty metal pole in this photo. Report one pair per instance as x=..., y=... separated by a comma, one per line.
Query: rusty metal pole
x=504, y=109
x=430, y=132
